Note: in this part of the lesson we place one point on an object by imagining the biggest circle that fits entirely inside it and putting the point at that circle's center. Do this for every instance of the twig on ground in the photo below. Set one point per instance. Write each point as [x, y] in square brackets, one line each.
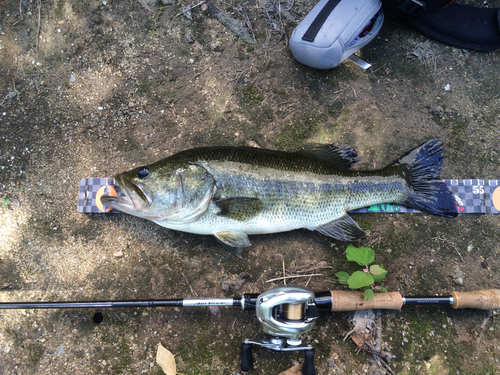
[198, 74]
[284, 271]
[308, 281]
[483, 328]
[225, 19]
[190, 287]
[145, 5]
[37, 35]
[293, 277]
[188, 9]
[448, 243]
[249, 26]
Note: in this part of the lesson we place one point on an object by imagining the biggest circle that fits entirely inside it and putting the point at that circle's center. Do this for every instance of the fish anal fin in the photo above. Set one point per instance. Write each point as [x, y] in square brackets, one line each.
[343, 229]
[239, 208]
[341, 156]
[234, 242]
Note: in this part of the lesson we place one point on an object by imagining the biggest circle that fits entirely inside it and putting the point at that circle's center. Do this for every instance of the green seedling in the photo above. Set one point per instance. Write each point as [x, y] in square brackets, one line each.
[5, 202]
[366, 278]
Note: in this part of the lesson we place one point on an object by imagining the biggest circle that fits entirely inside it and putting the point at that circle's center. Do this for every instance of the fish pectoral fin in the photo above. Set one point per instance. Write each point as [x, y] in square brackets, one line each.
[234, 242]
[341, 156]
[239, 208]
[343, 229]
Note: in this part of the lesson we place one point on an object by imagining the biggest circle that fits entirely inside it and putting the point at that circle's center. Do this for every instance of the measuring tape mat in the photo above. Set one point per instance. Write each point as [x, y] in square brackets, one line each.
[473, 196]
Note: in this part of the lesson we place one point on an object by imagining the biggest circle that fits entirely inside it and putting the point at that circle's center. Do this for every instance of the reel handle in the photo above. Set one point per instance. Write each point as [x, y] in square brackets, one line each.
[308, 368]
[246, 357]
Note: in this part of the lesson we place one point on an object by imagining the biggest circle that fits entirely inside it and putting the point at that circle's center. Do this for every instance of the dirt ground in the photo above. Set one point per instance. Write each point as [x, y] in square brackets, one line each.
[94, 88]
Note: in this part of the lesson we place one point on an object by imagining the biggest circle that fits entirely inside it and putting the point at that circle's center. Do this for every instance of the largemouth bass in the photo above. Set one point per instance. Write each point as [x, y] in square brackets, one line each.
[233, 192]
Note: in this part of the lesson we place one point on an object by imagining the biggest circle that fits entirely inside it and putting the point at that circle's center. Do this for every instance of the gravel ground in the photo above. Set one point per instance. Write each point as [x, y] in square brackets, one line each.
[94, 88]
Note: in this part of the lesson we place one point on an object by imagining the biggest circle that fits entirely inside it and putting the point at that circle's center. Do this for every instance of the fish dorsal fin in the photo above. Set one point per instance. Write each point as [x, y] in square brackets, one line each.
[340, 155]
[343, 229]
[234, 242]
[239, 208]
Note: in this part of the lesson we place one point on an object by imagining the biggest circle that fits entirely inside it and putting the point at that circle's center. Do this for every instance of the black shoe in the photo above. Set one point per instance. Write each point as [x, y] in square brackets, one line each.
[459, 25]
[462, 26]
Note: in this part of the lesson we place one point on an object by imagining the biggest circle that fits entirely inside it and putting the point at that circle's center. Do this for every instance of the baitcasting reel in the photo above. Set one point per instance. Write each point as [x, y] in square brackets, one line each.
[285, 314]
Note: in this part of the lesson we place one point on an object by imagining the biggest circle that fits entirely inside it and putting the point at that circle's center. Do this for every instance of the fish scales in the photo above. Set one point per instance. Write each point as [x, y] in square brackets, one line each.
[291, 204]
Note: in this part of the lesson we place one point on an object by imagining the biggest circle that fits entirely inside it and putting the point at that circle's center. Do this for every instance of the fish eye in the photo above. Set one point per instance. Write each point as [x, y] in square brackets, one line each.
[143, 172]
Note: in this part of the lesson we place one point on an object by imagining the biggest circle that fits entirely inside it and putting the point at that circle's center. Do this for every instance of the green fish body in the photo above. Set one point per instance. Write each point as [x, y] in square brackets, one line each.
[233, 192]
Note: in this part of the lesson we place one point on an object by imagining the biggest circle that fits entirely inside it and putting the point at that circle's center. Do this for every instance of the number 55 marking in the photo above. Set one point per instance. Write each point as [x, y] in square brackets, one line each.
[478, 189]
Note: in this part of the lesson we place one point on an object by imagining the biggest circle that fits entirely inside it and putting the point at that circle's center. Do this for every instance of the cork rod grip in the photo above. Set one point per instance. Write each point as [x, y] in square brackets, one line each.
[353, 301]
[486, 299]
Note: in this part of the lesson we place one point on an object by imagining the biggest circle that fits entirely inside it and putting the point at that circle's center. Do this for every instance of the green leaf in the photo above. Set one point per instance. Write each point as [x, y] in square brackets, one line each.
[360, 279]
[369, 294]
[342, 276]
[378, 272]
[361, 255]
[381, 290]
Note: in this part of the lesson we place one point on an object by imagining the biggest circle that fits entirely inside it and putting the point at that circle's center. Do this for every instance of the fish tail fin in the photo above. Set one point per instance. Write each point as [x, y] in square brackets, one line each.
[421, 168]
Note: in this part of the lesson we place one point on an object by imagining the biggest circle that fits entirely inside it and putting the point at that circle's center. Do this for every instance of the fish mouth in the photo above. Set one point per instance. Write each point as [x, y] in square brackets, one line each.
[136, 198]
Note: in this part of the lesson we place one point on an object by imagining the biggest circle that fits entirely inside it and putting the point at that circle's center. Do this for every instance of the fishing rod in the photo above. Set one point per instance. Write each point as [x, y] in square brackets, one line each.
[287, 312]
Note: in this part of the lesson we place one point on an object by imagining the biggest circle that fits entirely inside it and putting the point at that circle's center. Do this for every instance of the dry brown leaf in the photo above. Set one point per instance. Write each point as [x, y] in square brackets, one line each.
[166, 360]
[294, 370]
[361, 339]
[5, 285]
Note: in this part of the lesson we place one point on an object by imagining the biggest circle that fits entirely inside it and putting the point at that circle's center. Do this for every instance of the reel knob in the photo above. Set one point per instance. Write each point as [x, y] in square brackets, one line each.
[246, 357]
[308, 367]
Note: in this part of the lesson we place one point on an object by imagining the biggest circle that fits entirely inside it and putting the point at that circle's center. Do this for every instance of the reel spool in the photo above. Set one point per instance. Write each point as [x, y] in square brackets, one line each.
[285, 314]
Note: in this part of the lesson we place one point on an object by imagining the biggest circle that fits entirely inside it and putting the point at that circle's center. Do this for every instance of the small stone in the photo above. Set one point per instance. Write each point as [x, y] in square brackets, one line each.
[215, 311]
[458, 276]
[14, 202]
[118, 254]
[229, 285]
[437, 111]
